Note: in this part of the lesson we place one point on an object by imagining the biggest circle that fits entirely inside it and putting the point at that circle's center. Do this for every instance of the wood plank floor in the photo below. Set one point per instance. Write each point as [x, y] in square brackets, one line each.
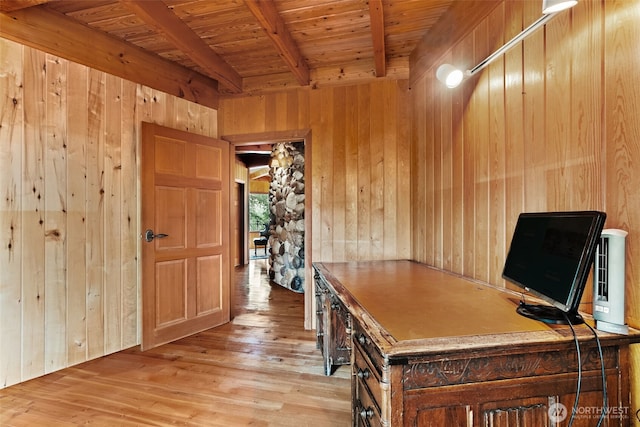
[262, 369]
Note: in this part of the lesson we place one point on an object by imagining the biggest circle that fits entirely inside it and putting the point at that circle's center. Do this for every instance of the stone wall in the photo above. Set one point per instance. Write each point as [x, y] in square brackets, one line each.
[286, 239]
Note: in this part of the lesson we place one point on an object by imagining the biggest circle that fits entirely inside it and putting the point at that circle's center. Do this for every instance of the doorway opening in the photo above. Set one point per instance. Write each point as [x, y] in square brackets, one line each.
[248, 145]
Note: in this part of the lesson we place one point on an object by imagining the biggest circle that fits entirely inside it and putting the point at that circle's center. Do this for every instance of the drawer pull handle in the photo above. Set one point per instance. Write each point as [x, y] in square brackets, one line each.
[364, 373]
[363, 339]
[367, 413]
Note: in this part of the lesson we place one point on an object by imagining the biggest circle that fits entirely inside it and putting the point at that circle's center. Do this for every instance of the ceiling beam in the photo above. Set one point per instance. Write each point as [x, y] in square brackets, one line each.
[59, 35]
[266, 13]
[376, 15]
[158, 16]
[11, 5]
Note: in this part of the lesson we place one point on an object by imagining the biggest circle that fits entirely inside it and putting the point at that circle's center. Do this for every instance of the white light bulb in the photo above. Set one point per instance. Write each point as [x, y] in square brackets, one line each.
[454, 78]
[449, 75]
[553, 6]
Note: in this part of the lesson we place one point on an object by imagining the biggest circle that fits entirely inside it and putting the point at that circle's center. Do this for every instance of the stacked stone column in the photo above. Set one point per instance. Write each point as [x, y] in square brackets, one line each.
[286, 196]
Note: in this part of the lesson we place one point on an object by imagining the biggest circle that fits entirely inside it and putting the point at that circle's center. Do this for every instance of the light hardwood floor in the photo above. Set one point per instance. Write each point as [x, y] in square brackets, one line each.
[262, 369]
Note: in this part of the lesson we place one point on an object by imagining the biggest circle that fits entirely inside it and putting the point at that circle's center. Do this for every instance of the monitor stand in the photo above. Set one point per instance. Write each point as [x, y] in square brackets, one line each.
[549, 314]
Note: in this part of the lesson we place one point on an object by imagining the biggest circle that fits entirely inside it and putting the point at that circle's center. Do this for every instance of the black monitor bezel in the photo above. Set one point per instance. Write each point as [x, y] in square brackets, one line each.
[574, 295]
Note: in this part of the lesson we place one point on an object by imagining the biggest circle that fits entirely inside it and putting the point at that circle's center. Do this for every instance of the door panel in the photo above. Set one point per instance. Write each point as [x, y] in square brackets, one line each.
[185, 195]
[170, 218]
[209, 295]
[208, 215]
[171, 287]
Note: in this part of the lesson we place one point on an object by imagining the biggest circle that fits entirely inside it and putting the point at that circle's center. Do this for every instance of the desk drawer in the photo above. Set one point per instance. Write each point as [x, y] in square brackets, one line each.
[365, 410]
[364, 373]
[368, 349]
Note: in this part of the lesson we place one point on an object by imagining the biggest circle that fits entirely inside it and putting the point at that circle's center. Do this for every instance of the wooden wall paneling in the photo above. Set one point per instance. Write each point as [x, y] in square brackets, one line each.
[437, 188]
[95, 215]
[351, 173]
[534, 142]
[457, 172]
[622, 134]
[33, 210]
[445, 131]
[71, 218]
[514, 130]
[392, 191]
[364, 174]
[144, 112]
[171, 109]
[303, 107]
[339, 203]
[496, 150]
[323, 156]
[468, 161]
[292, 111]
[77, 133]
[55, 204]
[159, 110]
[376, 132]
[11, 247]
[181, 114]
[376, 151]
[317, 167]
[112, 204]
[328, 161]
[210, 117]
[403, 171]
[129, 218]
[418, 101]
[481, 135]
[586, 144]
[430, 207]
[271, 109]
[558, 123]
[560, 129]
[282, 115]
[248, 113]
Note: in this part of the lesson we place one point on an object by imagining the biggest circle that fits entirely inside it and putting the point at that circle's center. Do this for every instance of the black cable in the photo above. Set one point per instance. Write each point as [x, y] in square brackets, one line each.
[604, 378]
[575, 339]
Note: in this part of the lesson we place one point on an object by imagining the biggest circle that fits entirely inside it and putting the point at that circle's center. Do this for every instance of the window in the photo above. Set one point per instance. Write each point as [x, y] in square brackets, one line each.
[259, 213]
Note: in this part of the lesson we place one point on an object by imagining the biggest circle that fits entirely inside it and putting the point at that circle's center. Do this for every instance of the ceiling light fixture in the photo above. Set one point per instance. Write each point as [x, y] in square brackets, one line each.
[452, 77]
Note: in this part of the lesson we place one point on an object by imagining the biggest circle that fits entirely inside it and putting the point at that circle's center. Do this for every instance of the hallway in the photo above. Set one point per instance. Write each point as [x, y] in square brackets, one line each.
[261, 369]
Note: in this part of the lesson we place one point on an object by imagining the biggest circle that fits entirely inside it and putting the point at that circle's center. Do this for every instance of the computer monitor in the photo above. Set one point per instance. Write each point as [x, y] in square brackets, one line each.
[550, 256]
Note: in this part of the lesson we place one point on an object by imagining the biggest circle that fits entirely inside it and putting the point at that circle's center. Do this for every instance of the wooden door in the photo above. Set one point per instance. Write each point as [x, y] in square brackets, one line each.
[185, 195]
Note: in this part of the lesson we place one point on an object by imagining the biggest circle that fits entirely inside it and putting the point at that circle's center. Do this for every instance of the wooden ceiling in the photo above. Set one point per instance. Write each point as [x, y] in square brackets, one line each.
[229, 47]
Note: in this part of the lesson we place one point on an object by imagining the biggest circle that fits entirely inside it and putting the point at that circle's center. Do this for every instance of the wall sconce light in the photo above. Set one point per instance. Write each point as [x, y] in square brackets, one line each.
[449, 75]
[553, 6]
[452, 77]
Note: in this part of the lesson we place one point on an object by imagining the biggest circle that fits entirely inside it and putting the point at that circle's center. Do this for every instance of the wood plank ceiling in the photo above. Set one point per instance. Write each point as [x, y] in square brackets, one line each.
[208, 48]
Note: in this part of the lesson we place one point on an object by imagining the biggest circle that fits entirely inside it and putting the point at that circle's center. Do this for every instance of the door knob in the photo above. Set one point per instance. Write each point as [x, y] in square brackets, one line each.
[149, 236]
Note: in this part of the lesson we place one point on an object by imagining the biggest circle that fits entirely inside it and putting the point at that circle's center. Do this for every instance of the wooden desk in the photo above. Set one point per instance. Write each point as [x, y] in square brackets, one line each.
[430, 348]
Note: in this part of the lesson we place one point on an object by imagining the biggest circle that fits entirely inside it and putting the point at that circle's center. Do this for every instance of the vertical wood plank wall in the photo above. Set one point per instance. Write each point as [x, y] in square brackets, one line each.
[554, 124]
[69, 284]
[360, 168]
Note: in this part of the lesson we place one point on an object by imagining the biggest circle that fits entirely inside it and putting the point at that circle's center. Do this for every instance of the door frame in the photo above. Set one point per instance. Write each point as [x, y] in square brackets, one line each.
[303, 135]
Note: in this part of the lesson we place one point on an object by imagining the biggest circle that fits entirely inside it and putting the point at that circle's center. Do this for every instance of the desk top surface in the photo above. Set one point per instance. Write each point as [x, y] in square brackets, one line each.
[412, 301]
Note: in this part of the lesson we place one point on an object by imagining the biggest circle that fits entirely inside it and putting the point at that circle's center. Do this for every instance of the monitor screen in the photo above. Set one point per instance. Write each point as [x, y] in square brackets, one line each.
[551, 254]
